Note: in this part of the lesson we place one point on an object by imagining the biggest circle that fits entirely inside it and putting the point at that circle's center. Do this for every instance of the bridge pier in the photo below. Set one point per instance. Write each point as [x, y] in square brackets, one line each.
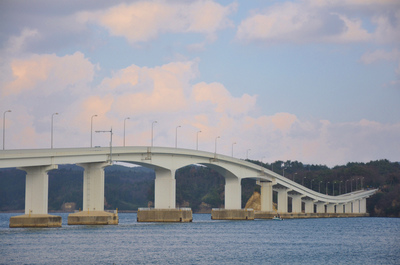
[233, 202]
[356, 206]
[282, 199]
[363, 205]
[266, 196]
[164, 201]
[330, 208]
[309, 206]
[348, 208]
[296, 202]
[93, 198]
[339, 208]
[320, 207]
[36, 200]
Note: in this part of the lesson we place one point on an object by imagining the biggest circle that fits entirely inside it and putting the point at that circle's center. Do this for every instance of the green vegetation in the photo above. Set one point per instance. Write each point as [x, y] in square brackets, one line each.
[131, 188]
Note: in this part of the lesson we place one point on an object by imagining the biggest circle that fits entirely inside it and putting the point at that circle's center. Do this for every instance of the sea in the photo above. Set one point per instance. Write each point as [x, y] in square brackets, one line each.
[367, 240]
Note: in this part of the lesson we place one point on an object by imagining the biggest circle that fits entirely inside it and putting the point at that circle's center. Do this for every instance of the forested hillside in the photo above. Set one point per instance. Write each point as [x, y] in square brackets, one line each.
[198, 187]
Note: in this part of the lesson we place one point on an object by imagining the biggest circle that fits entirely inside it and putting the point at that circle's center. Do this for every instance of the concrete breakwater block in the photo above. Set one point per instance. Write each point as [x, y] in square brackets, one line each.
[164, 215]
[93, 218]
[35, 220]
[237, 214]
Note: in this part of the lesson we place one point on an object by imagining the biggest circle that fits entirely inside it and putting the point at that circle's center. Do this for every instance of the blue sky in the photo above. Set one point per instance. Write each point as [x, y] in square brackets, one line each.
[309, 80]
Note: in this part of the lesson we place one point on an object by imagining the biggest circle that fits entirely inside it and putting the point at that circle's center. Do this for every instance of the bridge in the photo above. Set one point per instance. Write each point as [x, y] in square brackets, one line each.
[165, 161]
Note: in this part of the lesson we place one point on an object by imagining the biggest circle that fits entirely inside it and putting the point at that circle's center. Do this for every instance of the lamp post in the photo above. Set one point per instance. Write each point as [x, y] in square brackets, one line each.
[111, 133]
[176, 136]
[293, 176]
[311, 184]
[302, 183]
[232, 147]
[351, 185]
[362, 184]
[340, 187]
[319, 186]
[52, 117]
[247, 154]
[197, 140]
[91, 130]
[4, 126]
[345, 187]
[127, 118]
[152, 129]
[326, 188]
[216, 144]
[333, 188]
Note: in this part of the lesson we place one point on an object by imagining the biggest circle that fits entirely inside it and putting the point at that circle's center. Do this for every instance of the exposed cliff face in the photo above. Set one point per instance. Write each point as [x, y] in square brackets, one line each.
[255, 202]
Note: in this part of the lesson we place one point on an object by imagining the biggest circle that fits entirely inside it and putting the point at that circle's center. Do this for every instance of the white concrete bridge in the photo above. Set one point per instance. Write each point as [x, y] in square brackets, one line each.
[165, 161]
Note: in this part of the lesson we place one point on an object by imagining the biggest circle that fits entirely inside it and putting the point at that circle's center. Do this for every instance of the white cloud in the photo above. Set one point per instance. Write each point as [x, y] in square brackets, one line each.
[323, 21]
[146, 20]
[168, 94]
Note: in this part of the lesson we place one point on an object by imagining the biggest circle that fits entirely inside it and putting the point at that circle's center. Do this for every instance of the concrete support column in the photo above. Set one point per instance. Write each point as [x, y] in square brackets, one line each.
[339, 208]
[266, 196]
[93, 186]
[233, 193]
[356, 206]
[165, 189]
[330, 208]
[309, 206]
[363, 205]
[320, 207]
[37, 189]
[282, 200]
[296, 203]
[348, 208]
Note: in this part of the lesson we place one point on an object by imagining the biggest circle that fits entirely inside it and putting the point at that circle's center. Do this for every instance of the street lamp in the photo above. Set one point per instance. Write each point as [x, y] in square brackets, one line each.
[293, 176]
[311, 184]
[247, 154]
[91, 130]
[216, 144]
[333, 188]
[302, 183]
[152, 129]
[351, 185]
[127, 118]
[197, 140]
[232, 147]
[319, 186]
[340, 187]
[52, 117]
[326, 188]
[4, 126]
[111, 134]
[176, 136]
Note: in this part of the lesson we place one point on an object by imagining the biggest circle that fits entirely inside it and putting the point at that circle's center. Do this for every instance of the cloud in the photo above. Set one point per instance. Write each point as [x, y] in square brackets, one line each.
[322, 22]
[49, 73]
[145, 20]
[169, 94]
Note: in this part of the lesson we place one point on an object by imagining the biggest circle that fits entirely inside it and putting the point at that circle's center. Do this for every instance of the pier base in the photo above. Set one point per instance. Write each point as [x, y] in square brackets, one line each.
[226, 214]
[164, 215]
[35, 220]
[93, 218]
[270, 215]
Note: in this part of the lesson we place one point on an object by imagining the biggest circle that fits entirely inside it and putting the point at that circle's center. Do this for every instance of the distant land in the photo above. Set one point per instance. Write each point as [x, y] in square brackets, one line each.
[201, 188]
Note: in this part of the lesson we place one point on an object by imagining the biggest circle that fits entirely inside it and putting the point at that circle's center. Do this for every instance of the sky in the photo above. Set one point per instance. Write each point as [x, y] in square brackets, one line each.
[317, 81]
